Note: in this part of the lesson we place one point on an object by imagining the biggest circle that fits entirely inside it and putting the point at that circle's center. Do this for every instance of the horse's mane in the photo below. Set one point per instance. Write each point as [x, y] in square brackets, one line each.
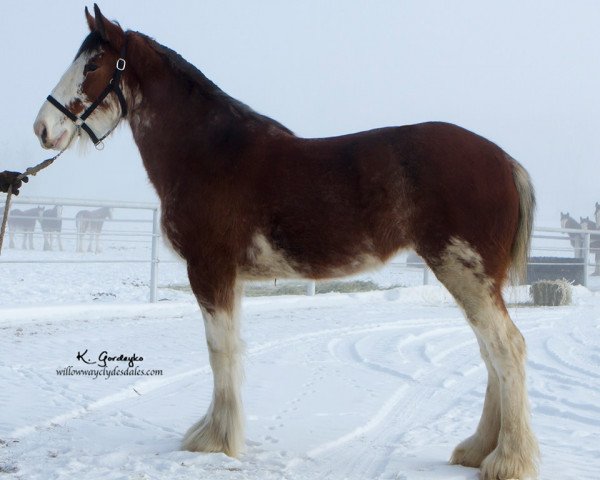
[188, 73]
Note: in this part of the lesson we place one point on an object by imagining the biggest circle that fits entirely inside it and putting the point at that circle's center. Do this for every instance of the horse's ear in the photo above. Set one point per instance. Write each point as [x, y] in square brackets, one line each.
[109, 31]
[90, 20]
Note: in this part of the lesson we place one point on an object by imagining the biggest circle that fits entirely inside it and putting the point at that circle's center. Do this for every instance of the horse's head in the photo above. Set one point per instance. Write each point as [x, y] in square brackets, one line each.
[76, 103]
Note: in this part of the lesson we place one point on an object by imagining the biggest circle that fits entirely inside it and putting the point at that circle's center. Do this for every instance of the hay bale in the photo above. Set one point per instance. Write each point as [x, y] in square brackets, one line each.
[551, 293]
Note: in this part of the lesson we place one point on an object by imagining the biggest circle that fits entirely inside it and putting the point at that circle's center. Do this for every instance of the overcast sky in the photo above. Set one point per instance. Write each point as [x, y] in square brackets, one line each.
[525, 74]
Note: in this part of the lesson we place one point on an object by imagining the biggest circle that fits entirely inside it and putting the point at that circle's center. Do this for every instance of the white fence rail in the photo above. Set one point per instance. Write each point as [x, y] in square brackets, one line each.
[138, 224]
[151, 233]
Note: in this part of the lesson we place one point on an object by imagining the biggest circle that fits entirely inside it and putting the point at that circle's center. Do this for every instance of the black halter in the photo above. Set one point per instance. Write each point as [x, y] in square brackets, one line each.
[113, 86]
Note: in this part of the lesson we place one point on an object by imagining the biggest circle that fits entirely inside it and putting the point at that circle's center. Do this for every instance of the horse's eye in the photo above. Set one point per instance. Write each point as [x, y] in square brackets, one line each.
[89, 67]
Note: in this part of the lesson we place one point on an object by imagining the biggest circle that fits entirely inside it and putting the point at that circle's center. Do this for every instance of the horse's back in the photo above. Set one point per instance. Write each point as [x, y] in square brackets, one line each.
[409, 186]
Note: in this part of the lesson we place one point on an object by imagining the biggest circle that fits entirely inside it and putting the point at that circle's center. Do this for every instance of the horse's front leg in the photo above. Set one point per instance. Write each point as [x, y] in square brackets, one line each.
[98, 249]
[90, 242]
[222, 428]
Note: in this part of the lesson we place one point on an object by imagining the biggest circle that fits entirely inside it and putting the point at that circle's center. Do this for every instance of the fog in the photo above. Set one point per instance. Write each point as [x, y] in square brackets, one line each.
[526, 75]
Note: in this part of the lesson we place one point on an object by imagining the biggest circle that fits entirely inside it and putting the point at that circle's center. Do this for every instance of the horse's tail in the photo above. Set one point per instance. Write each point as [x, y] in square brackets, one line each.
[522, 240]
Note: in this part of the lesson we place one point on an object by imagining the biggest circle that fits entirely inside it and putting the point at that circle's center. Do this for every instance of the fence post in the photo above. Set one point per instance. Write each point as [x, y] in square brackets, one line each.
[586, 254]
[425, 274]
[154, 256]
[310, 288]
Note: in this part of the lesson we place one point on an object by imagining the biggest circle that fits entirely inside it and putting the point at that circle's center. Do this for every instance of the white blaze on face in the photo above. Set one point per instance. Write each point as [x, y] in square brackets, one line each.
[53, 129]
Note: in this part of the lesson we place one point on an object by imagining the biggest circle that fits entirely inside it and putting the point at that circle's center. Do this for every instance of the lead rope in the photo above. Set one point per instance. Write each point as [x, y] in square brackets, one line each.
[30, 171]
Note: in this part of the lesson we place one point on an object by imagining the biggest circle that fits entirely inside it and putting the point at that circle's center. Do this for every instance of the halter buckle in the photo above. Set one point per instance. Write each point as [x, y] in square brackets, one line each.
[121, 63]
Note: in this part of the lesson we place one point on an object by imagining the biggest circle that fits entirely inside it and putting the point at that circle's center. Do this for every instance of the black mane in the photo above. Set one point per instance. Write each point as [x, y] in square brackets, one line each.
[195, 78]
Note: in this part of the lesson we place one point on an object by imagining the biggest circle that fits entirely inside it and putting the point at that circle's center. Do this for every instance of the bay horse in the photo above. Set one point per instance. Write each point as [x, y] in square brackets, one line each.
[91, 222]
[576, 239]
[243, 198]
[23, 221]
[51, 223]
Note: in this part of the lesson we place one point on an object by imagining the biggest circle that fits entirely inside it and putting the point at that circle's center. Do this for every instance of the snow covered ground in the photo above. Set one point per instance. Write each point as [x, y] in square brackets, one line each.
[339, 386]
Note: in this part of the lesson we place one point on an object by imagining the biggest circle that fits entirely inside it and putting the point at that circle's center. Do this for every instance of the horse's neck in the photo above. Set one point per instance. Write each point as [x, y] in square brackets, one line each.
[183, 124]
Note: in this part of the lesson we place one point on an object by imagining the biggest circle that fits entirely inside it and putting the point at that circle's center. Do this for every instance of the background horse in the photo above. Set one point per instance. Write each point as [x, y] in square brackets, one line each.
[243, 198]
[576, 239]
[51, 223]
[587, 224]
[91, 222]
[23, 221]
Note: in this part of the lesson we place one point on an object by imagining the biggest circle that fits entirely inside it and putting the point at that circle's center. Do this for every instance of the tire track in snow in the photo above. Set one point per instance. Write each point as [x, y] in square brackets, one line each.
[401, 411]
[152, 384]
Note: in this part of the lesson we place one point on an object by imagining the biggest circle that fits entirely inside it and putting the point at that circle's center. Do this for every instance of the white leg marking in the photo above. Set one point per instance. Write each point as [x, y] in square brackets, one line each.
[503, 350]
[222, 428]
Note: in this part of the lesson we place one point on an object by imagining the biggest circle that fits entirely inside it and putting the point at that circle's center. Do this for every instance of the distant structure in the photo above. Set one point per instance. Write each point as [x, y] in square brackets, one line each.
[587, 224]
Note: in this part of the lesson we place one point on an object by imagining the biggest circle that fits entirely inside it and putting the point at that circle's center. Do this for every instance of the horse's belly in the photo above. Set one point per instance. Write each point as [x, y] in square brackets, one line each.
[263, 261]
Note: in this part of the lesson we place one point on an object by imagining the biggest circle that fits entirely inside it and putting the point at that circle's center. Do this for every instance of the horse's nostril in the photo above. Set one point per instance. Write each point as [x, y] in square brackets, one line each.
[41, 131]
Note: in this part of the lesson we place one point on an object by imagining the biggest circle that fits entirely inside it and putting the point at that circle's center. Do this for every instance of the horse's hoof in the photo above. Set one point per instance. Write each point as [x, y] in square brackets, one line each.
[471, 452]
[206, 436]
[500, 466]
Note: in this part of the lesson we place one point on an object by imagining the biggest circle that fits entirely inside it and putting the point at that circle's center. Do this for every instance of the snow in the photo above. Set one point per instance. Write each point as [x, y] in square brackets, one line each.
[343, 386]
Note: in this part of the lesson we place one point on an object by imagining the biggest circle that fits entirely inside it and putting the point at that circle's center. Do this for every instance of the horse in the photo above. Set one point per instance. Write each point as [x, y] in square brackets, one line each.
[91, 222]
[587, 224]
[51, 223]
[576, 239]
[243, 198]
[23, 221]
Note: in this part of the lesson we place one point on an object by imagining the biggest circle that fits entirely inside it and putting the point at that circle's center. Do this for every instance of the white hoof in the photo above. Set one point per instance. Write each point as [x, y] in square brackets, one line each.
[210, 435]
[472, 451]
[518, 465]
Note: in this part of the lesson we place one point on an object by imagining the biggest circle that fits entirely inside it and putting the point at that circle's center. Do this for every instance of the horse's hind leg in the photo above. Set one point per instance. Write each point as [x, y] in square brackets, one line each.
[503, 444]
[474, 449]
[222, 428]
[47, 241]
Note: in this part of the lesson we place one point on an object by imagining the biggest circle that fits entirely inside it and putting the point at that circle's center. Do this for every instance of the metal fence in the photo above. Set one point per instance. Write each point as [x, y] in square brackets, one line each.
[135, 235]
[133, 229]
